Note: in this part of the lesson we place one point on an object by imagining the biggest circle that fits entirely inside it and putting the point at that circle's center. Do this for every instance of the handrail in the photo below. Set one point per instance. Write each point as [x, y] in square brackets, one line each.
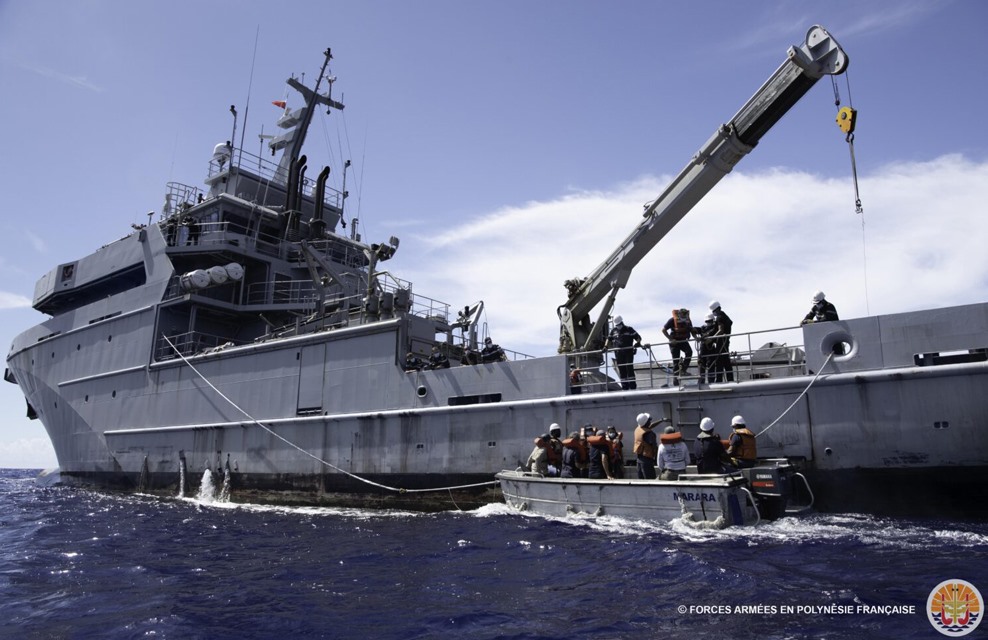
[754, 504]
[597, 369]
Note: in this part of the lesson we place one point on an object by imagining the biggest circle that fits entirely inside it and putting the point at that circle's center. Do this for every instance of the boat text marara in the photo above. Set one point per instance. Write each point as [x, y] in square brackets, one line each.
[250, 332]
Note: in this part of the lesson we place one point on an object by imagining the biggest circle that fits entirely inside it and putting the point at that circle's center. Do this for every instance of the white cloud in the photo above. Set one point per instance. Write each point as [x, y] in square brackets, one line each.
[76, 81]
[27, 453]
[13, 301]
[760, 243]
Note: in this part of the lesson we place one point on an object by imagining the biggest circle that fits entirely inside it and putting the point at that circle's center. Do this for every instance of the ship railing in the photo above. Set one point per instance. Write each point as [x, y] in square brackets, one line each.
[339, 252]
[295, 293]
[778, 355]
[268, 172]
[190, 344]
[179, 197]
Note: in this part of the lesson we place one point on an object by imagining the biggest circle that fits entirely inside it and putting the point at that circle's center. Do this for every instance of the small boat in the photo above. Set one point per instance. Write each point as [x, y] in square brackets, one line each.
[772, 489]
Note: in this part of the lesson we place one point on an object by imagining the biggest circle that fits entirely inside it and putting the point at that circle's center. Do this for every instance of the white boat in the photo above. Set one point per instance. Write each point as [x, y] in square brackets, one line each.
[772, 489]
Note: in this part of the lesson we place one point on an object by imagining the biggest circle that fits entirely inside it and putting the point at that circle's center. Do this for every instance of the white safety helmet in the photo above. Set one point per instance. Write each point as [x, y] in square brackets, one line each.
[714, 305]
[555, 429]
[818, 296]
[737, 420]
[618, 320]
[710, 317]
[643, 419]
[706, 424]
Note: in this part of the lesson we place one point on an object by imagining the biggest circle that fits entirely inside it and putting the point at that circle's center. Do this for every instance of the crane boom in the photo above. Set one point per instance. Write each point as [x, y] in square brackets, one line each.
[818, 56]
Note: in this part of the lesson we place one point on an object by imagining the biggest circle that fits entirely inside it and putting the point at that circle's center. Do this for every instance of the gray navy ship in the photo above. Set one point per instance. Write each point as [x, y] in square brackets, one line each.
[250, 335]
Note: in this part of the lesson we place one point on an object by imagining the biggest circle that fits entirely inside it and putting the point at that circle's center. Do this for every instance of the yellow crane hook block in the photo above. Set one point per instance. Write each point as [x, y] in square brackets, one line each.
[846, 118]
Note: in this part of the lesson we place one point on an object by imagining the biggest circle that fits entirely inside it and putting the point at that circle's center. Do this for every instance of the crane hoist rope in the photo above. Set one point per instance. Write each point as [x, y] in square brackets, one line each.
[846, 120]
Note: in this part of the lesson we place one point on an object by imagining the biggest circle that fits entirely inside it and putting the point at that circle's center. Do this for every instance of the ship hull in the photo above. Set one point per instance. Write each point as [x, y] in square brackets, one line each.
[894, 424]
[870, 441]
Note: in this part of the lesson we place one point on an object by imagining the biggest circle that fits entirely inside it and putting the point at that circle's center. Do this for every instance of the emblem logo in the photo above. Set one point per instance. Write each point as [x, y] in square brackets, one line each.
[955, 608]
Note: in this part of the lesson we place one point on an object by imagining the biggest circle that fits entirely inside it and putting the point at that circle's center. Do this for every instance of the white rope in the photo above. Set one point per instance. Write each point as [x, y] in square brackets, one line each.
[301, 450]
[825, 363]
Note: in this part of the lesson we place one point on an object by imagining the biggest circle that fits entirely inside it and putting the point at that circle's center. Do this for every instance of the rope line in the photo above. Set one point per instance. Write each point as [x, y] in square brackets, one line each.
[799, 397]
[311, 455]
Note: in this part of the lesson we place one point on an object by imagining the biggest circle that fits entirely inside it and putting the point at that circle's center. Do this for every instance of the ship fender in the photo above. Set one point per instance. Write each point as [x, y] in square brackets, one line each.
[831, 343]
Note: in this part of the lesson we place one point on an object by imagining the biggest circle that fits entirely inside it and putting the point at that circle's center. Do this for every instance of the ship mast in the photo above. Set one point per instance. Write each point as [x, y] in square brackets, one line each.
[297, 122]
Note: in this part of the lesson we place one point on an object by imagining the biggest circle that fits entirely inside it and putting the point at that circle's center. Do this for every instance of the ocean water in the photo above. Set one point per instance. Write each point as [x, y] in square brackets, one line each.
[79, 564]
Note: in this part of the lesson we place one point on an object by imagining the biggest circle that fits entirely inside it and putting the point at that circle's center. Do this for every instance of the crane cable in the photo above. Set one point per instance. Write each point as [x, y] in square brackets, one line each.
[846, 121]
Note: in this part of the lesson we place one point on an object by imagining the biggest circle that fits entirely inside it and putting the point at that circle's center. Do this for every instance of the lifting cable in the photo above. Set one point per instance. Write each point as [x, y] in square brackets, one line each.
[846, 121]
[313, 456]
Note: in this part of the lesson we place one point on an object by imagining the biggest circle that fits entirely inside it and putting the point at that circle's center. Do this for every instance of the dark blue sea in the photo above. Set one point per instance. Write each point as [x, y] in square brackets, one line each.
[78, 564]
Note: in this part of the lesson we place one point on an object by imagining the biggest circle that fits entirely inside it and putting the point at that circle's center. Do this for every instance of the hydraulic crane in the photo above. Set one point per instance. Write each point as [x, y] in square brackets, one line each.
[818, 56]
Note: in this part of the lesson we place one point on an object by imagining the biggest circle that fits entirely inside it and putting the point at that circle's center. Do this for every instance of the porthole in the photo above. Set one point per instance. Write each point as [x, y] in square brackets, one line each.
[109, 338]
[78, 347]
[422, 392]
[114, 394]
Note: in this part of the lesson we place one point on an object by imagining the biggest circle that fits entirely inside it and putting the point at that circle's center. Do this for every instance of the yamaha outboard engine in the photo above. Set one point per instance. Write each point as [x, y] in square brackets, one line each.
[772, 487]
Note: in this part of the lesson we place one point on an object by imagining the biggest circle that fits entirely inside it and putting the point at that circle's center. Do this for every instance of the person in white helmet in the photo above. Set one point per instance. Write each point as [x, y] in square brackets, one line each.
[709, 450]
[742, 448]
[723, 367]
[624, 340]
[678, 330]
[821, 311]
[646, 447]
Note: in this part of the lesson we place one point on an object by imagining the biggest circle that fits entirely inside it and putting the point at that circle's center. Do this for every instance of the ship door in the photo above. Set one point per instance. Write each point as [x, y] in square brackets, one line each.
[311, 367]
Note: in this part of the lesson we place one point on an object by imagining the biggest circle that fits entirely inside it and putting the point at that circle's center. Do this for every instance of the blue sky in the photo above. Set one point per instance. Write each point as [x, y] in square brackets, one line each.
[511, 145]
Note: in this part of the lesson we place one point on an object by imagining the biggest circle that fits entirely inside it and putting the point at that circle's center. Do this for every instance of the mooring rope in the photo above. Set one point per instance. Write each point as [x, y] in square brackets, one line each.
[311, 455]
[824, 366]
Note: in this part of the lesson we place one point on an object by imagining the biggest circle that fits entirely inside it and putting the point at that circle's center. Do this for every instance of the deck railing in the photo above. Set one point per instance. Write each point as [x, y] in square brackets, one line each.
[776, 356]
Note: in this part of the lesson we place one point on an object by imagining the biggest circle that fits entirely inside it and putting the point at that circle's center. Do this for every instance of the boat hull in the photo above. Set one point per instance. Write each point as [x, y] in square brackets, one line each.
[719, 501]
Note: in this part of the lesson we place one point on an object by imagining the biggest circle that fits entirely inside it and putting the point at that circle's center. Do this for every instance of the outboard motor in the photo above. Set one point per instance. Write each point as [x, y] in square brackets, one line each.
[772, 487]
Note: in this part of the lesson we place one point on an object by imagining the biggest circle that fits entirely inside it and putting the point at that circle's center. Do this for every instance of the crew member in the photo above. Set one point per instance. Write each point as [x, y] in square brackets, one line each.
[624, 340]
[742, 448]
[554, 452]
[599, 455]
[821, 311]
[723, 367]
[538, 459]
[646, 447]
[491, 352]
[709, 450]
[413, 362]
[438, 360]
[574, 456]
[678, 330]
[674, 455]
[709, 349]
[615, 438]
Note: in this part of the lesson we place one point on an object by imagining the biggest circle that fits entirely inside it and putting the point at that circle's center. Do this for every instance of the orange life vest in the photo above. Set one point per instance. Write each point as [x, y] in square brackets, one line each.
[580, 446]
[747, 449]
[642, 448]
